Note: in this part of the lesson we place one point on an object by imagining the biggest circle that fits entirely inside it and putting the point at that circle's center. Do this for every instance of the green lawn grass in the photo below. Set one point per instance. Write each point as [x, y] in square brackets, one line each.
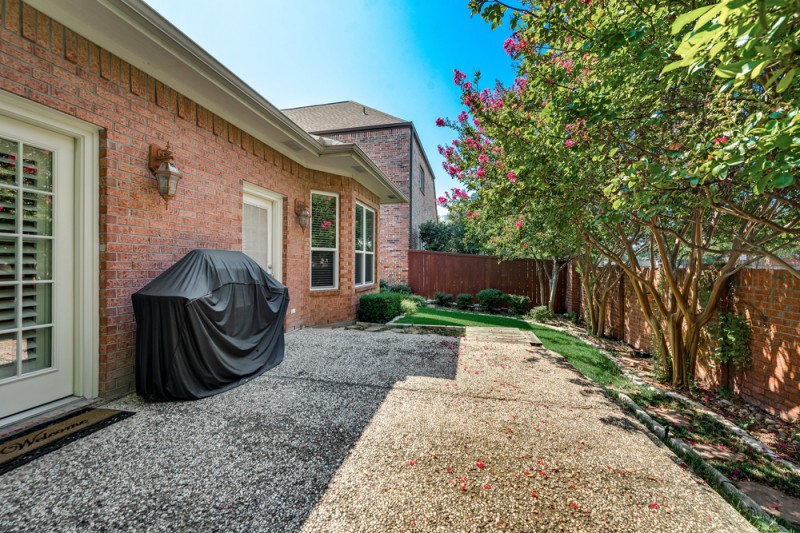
[585, 358]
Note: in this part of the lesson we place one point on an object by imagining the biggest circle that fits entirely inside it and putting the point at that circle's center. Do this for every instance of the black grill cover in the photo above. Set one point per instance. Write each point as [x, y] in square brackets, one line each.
[210, 322]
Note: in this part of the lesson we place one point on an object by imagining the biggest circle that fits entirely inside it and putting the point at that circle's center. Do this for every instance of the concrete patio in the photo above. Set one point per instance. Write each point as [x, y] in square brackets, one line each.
[360, 431]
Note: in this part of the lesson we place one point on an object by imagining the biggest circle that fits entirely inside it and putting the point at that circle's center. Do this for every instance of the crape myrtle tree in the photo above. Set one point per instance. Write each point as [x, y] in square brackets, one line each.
[678, 175]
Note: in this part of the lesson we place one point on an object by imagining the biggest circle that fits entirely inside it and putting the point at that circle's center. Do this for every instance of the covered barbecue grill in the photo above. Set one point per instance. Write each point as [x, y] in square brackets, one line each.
[207, 324]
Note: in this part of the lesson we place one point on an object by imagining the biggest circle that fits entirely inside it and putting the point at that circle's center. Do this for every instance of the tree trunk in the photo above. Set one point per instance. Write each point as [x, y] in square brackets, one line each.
[551, 303]
[540, 277]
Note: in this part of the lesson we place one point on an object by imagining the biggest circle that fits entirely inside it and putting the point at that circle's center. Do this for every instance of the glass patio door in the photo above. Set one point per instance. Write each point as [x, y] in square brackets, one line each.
[36, 272]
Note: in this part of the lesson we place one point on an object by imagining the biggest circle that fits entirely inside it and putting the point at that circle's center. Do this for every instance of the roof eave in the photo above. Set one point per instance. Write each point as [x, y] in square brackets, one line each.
[133, 31]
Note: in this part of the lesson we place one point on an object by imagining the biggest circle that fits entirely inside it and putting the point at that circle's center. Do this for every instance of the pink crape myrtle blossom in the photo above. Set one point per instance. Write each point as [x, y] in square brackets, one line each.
[569, 143]
[512, 177]
[440, 122]
[458, 76]
[462, 117]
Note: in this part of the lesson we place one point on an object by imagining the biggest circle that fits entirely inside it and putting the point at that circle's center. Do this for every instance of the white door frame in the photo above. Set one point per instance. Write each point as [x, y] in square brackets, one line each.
[86, 238]
[260, 195]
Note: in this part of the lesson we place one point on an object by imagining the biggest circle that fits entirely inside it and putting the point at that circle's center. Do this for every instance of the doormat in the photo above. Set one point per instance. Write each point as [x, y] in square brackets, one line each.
[34, 442]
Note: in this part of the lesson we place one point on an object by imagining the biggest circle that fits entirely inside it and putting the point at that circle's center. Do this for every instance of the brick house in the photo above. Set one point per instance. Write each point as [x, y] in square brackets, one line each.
[86, 87]
[395, 147]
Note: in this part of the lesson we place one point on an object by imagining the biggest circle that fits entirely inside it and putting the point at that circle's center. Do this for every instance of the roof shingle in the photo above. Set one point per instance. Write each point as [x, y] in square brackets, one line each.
[339, 116]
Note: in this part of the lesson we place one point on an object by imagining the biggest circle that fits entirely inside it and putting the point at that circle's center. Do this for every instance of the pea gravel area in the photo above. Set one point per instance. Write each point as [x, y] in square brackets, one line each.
[360, 431]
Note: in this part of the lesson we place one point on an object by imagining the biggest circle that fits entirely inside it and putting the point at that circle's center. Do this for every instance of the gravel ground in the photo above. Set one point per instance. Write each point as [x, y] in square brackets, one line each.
[364, 431]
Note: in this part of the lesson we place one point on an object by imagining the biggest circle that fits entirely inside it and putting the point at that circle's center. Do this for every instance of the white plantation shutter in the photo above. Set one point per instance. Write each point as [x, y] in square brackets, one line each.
[26, 264]
[324, 240]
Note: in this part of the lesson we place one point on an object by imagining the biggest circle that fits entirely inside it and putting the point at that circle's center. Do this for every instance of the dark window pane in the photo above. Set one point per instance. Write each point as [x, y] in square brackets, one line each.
[359, 269]
[370, 231]
[369, 268]
[323, 269]
[359, 228]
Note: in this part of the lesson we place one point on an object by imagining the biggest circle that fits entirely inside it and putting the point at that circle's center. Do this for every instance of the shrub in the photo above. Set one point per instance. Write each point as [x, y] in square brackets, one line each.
[380, 307]
[409, 307]
[442, 298]
[731, 339]
[402, 289]
[518, 304]
[384, 285]
[491, 299]
[464, 301]
[541, 314]
[417, 299]
[574, 317]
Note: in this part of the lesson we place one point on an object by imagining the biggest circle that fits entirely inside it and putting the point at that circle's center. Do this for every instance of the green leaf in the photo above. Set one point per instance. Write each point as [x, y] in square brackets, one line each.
[672, 66]
[758, 68]
[774, 78]
[686, 18]
[719, 169]
[784, 179]
[786, 81]
[783, 141]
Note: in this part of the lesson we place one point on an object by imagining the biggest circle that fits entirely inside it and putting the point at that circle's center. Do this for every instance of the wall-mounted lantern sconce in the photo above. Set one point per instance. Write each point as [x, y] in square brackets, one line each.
[303, 213]
[162, 165]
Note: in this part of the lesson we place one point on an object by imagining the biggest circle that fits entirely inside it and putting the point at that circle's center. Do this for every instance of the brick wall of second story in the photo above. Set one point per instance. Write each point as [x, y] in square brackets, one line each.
[389, 150]
[423, 190]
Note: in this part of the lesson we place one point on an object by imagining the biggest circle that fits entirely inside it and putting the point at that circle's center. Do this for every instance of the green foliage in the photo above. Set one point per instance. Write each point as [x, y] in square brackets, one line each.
[730, 338]
[491, 299]
[464, 301]
[401, 288]
[541, 313]
[408, 307]
[417, 299]
[380, 308]
[384, 285]
[443, 298]
[449, 235]
[435, 236]
[573, 317]
[518, 304]
[600, 139]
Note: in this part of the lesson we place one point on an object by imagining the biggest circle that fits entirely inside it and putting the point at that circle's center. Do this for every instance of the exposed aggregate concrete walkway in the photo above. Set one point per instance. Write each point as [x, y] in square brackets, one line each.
[359, 431]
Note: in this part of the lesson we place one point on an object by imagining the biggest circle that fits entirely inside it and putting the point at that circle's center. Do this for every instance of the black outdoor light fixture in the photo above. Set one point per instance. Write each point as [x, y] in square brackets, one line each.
[302, 212]
[167, 174]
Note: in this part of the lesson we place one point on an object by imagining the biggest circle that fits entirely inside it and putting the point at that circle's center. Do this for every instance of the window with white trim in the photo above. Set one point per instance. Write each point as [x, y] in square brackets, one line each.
[365, 245]
[324, 240]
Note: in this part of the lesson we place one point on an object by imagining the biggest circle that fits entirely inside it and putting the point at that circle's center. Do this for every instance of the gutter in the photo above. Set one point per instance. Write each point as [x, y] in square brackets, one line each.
[410, 184]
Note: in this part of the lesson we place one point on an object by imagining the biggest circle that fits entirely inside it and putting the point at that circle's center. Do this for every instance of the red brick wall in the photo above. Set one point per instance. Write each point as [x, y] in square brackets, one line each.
[423, 204]
[45, 62]
[771, 301]
[389, 149]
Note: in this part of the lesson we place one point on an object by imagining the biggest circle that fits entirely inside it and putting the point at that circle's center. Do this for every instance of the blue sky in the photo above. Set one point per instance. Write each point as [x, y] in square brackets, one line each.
[394, 55]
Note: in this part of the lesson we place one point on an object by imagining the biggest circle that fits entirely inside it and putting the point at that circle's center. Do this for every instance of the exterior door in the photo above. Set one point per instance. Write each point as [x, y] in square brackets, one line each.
[36, 266]
[262, 218]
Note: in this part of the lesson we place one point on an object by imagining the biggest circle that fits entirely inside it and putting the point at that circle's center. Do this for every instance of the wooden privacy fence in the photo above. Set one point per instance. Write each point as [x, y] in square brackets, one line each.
[429, 272]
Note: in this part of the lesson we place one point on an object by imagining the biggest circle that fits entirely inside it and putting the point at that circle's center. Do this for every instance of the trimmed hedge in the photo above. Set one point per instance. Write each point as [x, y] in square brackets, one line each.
[464, 301]
[519, 305]
[491, 299]
[442, 298]
[381, 307]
